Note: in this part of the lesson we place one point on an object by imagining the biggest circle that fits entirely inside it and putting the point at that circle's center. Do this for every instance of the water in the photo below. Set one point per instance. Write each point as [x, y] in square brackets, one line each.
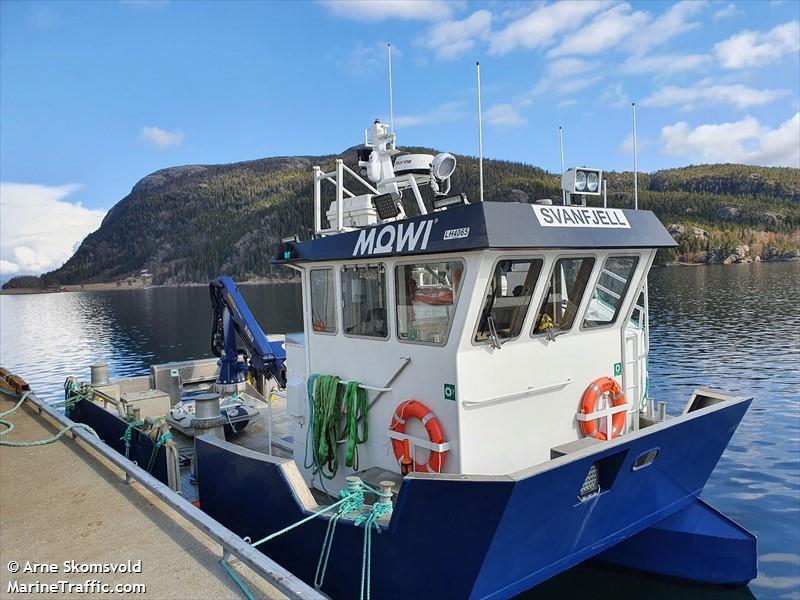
[735, 328]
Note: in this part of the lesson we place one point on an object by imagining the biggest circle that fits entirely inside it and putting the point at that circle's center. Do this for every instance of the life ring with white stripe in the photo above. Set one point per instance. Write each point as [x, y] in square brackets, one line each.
[596, 389]
[413, 409]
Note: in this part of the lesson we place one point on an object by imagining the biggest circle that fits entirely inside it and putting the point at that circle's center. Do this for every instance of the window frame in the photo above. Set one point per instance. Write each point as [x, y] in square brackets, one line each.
[456, 299]
[580, 308]
[333, 271]
[534, 293]
[355, 266]
[625, 295]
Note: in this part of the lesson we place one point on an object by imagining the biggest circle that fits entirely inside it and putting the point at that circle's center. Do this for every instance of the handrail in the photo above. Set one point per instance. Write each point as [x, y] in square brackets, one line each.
[608, 291]
[613, 275]
[272, 572]
[367, 387]
[528, 392]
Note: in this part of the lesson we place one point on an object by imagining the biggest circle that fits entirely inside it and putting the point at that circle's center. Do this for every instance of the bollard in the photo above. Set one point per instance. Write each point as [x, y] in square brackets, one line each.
[662, 411]
[386, 490]
[99, 374]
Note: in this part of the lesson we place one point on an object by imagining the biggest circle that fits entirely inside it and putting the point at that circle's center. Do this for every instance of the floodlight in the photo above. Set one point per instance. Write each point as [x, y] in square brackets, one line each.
[592, 181]
[580, 180]
[386, 206]
[448, 201]
[443, 165]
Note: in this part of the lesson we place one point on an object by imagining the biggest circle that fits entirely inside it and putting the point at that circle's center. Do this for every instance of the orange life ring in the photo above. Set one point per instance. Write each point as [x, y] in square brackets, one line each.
[412, 409]
[603, 385]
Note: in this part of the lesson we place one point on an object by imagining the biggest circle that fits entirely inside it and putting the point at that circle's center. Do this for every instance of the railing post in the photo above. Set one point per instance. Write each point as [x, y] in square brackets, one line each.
[339, 195]
[317, 202]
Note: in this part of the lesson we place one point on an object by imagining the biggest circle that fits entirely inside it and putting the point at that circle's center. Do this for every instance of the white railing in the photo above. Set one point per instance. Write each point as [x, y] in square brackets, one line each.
[336, 177]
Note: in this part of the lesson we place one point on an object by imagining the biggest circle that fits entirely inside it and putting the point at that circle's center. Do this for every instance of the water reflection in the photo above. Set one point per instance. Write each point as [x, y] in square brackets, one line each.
[734, 328]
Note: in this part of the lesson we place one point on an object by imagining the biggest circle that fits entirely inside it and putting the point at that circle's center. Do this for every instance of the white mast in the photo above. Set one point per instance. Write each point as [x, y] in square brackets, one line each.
[391, 105]
[561, 144]
[635, 164]
[480, 129]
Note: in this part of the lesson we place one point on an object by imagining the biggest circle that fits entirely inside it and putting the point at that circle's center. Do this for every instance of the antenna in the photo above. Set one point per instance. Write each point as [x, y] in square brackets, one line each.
[391, 105]
[561, 143]
[605, 194]
[635, 164]
[480, 129]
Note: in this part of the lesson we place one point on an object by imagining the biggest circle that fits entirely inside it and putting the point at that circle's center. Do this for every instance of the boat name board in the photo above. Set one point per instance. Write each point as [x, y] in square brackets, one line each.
[394, 238]
[580, 216]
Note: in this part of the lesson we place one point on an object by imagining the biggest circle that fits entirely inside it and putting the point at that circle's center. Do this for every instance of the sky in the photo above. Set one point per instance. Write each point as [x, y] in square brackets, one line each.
[96, 95]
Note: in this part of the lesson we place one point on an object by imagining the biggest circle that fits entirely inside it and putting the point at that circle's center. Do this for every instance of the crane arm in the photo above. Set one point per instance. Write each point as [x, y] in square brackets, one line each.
[233, 322]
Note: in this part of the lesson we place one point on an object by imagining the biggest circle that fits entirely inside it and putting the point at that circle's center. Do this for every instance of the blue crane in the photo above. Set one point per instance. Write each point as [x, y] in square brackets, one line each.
[233, 323]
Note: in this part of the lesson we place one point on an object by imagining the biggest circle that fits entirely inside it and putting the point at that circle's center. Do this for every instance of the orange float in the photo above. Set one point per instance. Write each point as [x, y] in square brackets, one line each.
[596, 389]
[412, 409]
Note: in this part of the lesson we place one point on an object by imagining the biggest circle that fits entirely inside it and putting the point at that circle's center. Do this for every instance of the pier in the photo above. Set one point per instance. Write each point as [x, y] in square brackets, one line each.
[66, 502]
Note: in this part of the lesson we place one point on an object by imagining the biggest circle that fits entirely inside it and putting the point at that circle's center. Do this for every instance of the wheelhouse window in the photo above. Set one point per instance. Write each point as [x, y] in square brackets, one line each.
[610, 291]
[427, 293]
[364, 301]
[562, 298]
[323, 301]
[507, 299]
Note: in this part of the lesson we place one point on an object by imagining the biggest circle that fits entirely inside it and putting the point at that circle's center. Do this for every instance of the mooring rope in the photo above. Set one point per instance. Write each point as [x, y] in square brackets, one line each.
[29, 444]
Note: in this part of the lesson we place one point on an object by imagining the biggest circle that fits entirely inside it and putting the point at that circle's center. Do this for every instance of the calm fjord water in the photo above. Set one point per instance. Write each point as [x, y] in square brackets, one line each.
[735, 328]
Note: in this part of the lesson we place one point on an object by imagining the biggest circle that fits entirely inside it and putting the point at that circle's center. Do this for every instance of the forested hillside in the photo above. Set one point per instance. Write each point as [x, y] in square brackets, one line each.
[192, 223]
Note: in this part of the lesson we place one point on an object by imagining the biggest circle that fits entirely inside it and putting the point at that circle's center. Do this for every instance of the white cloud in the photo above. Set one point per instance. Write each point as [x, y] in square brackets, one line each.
[39, 229]
[381, 10]
[664, 64]
[737, 95]
[8, 267]
[615, 96]
[744, 141]
[504, 114]
[729, 11]
[755, 49]
[161, 138]
[567, 103]
[605, 31]
[369, 60]
[539, 28]
[445, 113]
[627, 144]
[563, 76]
[637, 32]
[673, 22]
[451, 39]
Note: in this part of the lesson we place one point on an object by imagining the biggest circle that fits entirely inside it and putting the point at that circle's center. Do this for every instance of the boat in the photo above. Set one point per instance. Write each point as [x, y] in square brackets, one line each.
[468, 411]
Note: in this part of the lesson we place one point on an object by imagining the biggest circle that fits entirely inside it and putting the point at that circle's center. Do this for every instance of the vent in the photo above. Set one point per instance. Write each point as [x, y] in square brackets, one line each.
[601, 475]
[591, 485]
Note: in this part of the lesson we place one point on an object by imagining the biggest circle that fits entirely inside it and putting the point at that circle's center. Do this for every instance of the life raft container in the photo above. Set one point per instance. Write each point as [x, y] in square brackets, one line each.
[596, 389]
[413, 409]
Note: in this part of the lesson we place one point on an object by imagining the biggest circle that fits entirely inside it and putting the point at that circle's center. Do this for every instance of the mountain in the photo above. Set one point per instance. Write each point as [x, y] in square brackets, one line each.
[192, 223]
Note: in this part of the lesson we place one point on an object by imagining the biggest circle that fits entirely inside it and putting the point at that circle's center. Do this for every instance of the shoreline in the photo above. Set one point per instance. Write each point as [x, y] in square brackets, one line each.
[117, 286]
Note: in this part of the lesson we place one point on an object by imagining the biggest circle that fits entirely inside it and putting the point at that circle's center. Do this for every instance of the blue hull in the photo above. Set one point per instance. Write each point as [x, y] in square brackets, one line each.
[697, 543]
[472, 536]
